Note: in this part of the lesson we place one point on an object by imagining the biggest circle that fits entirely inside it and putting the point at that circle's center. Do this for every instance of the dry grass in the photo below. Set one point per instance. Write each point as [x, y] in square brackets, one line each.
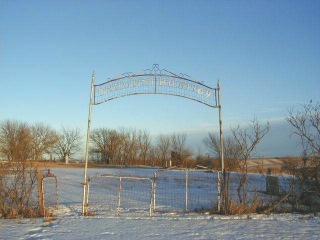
[242, 208]
[88, 213]
[262, 165]
[50, 164]
[48, 216]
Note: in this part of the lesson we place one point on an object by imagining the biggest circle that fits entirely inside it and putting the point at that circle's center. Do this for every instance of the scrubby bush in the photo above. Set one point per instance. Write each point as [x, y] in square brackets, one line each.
[305, 184]
[18, 190]
[18, 176]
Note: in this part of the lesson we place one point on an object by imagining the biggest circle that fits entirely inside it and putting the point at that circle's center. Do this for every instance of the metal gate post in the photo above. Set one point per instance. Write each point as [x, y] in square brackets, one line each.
[88, 192]
[187, 186]
[219, 193]
[119, 196]
[84, 197]
[224, 189]
[154, 191]
[151, 198]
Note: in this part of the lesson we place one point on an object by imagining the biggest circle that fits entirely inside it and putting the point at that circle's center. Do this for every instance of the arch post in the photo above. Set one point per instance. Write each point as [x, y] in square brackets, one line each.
[223, 190]
[220, 128]
[85, 180]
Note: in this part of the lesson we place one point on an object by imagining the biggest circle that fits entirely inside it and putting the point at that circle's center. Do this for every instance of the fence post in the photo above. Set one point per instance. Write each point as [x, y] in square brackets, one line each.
[154, 191]
[119, 196]
[56, 185]
[87, 193]
[219, 193]
[40, 190]
[187, 183]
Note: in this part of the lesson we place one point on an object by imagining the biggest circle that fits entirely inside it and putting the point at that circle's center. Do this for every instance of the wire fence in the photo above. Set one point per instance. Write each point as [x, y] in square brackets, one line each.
[177, 191]
[115, 195]
[167, 191]
[186, 190]
[49, 192]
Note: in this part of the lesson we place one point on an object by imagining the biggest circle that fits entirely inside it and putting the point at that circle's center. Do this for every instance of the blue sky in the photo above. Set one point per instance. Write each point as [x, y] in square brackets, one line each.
[265, 53]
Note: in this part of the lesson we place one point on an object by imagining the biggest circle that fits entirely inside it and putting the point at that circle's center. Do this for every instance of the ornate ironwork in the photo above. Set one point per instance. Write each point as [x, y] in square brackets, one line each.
[155, 81]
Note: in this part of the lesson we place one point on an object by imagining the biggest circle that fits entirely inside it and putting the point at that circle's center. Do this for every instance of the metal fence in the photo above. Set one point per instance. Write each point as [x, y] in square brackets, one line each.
[168, 191]
[49, 193]
[115, 195]
[186, 190]
[174, 191]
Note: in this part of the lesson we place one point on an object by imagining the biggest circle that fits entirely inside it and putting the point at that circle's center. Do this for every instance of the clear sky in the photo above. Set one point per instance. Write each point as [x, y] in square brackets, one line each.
[265, 53]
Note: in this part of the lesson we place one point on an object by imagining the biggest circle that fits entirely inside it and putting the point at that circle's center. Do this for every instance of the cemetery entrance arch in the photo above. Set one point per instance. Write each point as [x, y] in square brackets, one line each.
[152, 81]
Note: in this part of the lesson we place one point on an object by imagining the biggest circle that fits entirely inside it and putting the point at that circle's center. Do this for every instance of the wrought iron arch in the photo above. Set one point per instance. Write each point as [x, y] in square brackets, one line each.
[155, 81]
[151, 81]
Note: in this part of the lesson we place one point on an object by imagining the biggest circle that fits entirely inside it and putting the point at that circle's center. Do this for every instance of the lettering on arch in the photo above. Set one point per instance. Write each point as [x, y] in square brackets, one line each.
[155, 81]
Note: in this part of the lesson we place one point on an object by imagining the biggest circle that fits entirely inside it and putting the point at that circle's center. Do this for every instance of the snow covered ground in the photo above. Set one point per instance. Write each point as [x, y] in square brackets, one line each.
[70, 224]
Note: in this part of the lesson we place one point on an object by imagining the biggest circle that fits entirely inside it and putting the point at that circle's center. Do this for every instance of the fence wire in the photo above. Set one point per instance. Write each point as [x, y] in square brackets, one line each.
[185, 190]
[113, 195]
[170, 191]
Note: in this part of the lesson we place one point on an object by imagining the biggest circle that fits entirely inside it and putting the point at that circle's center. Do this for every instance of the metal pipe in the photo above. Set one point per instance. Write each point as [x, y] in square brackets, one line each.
[87, 146]
[187, 181]
[224, 189]
[219, 193]
[119, 196]
[220, 128]
[151, 198]
[154, 191]
[88, 192]
[42, 203]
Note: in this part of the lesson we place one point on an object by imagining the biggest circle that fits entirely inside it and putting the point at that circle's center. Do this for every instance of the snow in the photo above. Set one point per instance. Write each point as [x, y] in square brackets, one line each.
[70, 224]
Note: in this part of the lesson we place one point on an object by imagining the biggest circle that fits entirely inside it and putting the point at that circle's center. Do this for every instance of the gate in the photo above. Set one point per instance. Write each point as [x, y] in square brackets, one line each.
[49, 193]
[186, 190]
[118, 195]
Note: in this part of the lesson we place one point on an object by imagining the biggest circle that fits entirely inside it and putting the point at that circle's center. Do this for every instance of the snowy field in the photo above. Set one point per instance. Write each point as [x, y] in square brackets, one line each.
[70, 224]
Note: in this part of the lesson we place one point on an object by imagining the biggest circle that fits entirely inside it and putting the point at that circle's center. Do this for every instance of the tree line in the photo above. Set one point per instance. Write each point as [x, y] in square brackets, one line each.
[20, 141]
[129, 146]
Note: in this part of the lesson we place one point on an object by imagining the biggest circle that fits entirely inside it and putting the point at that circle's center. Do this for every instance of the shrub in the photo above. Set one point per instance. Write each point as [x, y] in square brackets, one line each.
[305, 184]
[18, 190]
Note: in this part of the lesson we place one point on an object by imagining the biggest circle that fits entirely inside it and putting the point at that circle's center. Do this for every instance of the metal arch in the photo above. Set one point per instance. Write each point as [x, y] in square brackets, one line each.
[155, 81]
[200, 93]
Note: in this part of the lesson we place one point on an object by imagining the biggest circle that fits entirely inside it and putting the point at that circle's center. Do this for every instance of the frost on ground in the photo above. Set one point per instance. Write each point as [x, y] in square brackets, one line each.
[69, 224]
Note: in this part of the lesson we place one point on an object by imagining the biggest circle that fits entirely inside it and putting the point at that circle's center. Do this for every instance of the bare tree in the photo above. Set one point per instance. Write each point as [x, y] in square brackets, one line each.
[163, 146]
[43, 139]
[15, 139]
[129, 145]
[212, 144]
[100, 139]
[306, 125]
[68, 144]
[305, 173]
[247, 140]
[107, 143]
[154, 155]
[179, 152]
[232, 150]
[18, 176]
[144, 145]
